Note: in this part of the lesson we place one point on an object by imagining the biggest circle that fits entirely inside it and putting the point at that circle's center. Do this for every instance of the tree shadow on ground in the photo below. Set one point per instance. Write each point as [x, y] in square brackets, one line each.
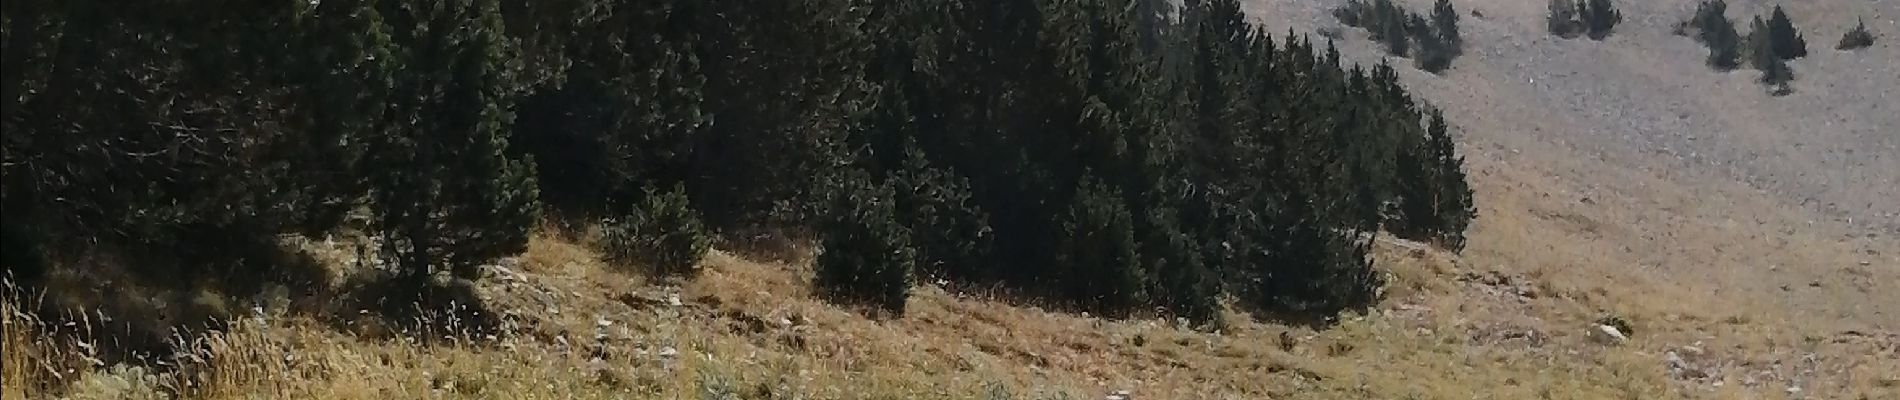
[135, 301]
[431, 309]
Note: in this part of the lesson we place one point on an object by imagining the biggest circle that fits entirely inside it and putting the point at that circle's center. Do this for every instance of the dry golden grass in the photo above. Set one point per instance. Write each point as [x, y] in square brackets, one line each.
[16, 351]
[574, 327]
[1507, 320]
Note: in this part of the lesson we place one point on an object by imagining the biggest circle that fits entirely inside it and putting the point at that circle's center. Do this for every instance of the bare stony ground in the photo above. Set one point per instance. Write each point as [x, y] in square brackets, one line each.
[1628, 164]
[1643, 99]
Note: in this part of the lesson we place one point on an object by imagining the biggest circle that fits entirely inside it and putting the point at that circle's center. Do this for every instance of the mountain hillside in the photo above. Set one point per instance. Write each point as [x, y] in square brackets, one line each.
[1627, 160]
[1741, 245]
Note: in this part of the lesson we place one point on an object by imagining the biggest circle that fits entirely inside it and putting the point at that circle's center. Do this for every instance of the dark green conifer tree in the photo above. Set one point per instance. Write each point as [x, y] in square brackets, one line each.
[1775, 72]
[1561, 19]
[865, 255]
[1716, 32]
[1857, 38]
[1445, 23]
[1599, 17]
[1097, 259]
[448, 195]
[1788, 43]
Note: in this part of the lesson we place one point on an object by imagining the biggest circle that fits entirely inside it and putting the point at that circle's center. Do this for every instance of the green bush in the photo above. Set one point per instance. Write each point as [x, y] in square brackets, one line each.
[663, 232]
[865, 255]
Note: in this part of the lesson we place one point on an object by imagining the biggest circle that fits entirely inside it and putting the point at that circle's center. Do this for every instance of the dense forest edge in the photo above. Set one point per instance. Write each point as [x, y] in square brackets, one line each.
[1120, 157]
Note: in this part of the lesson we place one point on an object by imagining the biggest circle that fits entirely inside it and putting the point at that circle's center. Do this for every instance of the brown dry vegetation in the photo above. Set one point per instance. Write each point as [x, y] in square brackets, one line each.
[1705, 240]
[573, 327]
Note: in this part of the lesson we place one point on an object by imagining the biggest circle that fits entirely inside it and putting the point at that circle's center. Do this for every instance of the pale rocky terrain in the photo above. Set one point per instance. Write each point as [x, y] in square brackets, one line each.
[1628, 164]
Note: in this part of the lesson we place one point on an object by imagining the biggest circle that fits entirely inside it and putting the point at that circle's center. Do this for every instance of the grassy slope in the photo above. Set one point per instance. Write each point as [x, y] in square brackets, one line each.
[1449, 329]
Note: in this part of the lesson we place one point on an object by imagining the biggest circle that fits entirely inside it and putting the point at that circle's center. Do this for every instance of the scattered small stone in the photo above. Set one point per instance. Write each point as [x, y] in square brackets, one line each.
[669, 352]
[1119, 395]
[1691, 350]
[1609, 335]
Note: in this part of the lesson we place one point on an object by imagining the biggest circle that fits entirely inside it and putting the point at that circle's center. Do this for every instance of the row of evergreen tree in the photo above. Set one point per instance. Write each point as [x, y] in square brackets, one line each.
[1432, 44]
[1117, 155]
[1767, 47]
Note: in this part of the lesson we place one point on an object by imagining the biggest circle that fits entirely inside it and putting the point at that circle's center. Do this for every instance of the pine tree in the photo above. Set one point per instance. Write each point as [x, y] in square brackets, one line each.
[1097, 258]
[763, 164]
[865, 256]
[1775, 72]
[952, 235]
[1709, 15]
[1561, 19]
[1599, 17]
[629, 115]
[1434, 54]
[1725, 47]
[1396, 39]
[1455, 207]
[448, 195]
[1445, 23]
[663, 232]
[1857, 38]
[1758, 45]
[1352, 13]
[1788, 43]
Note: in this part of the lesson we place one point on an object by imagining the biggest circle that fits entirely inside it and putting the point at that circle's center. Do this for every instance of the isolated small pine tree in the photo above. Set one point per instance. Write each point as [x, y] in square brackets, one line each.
[1600, 17]
[663, 232]
[1710, 15]
[1857, 38]
[1787, 41]
[1723, 42]
[1562, 19]
[449, 197]
[1456, 207]
[1445, 22]
[1757, 46]
[865, 256]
